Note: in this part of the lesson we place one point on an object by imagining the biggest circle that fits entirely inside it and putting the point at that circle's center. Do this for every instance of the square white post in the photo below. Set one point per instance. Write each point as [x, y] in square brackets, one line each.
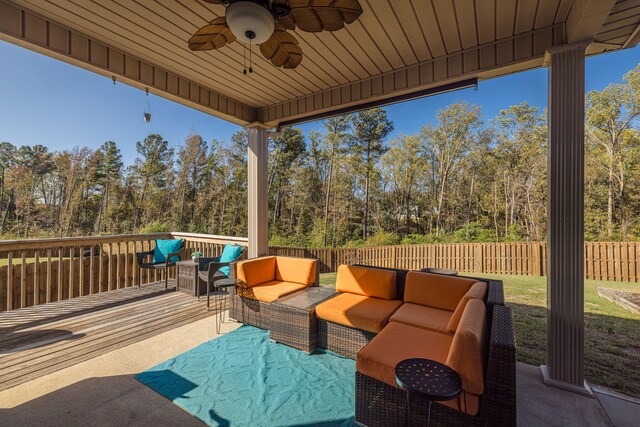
[258, 208]
[565, 228]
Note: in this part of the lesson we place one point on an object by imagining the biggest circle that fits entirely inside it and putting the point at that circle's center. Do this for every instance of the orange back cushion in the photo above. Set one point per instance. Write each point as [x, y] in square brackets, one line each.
[371, 282]
[296, 270]
[434, 290]
[467, 352]
[477, 291]
[257, 270]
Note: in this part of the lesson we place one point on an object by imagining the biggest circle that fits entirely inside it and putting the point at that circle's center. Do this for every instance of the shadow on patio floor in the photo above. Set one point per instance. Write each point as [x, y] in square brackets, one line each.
[612, 346]
[106, 401]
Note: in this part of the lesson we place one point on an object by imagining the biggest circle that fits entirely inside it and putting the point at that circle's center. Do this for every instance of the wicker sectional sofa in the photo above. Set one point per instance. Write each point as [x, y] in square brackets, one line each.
[263, 280]
[381, 316]
[427, 324]
[381, 404]
[367, 299]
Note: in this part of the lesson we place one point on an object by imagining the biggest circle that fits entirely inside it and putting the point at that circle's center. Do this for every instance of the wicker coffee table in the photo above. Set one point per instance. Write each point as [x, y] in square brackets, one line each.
[293, 318]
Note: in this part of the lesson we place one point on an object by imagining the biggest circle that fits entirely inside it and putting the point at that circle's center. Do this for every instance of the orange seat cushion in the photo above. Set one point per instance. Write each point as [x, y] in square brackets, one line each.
[297, 270]
[422, 316]
[370, 282]
[358, 311]
[477, 291]
[270, 291]
[468, 348]
[257, 270]
[437, 291]
[397, 342]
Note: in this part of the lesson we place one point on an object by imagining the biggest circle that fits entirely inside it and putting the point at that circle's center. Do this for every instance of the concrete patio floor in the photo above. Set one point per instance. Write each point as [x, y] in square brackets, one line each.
[103, 392]
[539, 405]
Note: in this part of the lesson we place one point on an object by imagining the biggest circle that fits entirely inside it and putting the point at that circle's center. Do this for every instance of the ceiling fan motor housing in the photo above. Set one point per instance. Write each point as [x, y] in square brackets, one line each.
[250, 21]
[265, 23]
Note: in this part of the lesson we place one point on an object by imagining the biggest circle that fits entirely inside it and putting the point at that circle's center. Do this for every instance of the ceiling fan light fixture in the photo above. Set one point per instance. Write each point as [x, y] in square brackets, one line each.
[250, 22]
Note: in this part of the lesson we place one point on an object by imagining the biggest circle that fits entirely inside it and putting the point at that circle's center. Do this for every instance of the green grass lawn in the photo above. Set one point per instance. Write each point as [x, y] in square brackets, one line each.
[612, 334]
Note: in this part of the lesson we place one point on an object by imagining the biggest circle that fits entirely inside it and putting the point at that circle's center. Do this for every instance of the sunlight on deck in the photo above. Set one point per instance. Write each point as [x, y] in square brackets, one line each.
[40, 340]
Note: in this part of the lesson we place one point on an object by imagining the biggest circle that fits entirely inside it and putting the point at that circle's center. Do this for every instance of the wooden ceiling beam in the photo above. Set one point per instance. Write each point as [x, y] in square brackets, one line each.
[586, 18]
[511, 54]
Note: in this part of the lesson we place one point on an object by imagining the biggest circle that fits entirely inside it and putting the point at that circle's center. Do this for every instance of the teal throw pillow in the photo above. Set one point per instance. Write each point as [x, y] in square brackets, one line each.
[229, 253]
[164, 248]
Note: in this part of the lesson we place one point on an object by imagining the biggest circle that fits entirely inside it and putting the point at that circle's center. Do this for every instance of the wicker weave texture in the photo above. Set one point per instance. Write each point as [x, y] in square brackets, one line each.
[379, 404]
[341, 339]
[297, 328]
[499, 401]
[249, 311]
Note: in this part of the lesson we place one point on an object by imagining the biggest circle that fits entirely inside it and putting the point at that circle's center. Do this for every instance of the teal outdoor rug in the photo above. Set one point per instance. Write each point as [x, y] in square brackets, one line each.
[243, 379]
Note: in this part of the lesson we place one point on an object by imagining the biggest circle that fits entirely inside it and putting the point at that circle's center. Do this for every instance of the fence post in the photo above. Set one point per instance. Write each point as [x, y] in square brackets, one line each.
[535, 268]
[478, 262]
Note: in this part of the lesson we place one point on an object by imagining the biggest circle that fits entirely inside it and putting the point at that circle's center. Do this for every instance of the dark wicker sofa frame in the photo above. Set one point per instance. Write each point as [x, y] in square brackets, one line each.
[248, 310]
[348, 341]
[379, 404]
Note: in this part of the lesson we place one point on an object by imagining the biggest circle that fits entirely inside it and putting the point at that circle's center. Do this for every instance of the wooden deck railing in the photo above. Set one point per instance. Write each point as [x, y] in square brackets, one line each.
[38, 271]
[43, 270]
[615, 261]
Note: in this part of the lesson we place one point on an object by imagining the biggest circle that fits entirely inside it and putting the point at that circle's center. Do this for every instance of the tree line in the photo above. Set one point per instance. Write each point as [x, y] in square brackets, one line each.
[461, 178]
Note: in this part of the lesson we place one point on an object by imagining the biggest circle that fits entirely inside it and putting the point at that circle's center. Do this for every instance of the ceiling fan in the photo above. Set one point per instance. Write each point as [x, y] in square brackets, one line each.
[265, 23]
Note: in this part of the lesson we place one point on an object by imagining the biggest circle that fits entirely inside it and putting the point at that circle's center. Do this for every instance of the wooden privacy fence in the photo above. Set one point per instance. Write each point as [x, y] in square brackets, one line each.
[615, 261]
[38, 271]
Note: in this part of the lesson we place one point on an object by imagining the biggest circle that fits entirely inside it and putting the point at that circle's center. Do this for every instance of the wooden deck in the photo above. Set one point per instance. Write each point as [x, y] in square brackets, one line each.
[38, 340]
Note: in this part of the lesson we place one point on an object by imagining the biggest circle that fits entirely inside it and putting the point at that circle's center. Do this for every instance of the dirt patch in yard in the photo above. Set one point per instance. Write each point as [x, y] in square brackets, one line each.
[625, 299]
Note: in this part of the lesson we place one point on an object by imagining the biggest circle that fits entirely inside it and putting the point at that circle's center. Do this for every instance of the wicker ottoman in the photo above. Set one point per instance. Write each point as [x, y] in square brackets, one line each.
[293, 318]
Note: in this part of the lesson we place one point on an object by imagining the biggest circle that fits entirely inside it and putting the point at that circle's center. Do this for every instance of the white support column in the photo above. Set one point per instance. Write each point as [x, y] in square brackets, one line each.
[257, 191]
[565, 227]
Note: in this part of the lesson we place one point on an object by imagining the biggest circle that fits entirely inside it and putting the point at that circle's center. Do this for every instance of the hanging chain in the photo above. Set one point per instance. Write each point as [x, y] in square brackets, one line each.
[148, 104]
[244, 57]
[250, 55]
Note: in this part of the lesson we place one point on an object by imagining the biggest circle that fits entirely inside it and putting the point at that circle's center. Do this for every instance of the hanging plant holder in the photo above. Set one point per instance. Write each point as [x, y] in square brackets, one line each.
[147, 112]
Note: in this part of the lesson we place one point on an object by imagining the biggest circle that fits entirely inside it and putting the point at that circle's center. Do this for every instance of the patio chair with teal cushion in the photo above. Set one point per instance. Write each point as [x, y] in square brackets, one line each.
[211, 270]
[164, 255]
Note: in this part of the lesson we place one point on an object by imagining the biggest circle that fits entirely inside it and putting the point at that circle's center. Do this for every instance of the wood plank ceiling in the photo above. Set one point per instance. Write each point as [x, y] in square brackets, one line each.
[471, 37]
[390, 34]
[620, 28]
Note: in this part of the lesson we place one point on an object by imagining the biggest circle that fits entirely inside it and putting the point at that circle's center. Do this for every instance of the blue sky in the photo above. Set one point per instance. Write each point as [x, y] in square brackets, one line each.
[45, 101]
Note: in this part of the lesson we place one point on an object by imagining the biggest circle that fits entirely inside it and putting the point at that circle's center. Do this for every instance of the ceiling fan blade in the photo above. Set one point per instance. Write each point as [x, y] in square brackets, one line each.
[319, 15]
[217, 1]
[214, 35]
[282, 49]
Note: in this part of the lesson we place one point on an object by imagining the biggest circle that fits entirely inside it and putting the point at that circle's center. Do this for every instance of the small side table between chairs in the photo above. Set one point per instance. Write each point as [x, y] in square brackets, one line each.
[187, 278]
[221, 287]
[430, 379]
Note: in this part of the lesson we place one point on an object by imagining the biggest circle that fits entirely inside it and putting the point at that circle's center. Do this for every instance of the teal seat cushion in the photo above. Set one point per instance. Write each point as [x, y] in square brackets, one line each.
[164, 248]
[229, 253]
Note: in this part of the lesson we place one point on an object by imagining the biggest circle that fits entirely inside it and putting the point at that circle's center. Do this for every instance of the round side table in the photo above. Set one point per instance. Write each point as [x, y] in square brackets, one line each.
[433, 380]
[221, 297]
